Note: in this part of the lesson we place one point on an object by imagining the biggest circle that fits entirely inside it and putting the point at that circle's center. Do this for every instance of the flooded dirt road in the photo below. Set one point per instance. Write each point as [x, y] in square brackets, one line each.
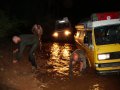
[53, 62]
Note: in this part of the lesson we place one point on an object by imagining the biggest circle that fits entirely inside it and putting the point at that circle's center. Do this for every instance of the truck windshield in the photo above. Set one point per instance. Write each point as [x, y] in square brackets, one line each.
[107, 34]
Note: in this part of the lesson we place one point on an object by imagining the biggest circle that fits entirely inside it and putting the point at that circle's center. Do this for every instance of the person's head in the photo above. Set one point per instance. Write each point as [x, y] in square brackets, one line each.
[39, 26]
[35, 26]
[16, 39]
[75, 56]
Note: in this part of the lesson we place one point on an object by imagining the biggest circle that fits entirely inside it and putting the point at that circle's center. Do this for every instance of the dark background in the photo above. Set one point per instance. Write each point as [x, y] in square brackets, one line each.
[18, 16]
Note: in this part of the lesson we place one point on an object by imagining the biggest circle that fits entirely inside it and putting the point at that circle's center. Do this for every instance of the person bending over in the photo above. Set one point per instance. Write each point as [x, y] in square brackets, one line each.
[22, 41]
[77, 56]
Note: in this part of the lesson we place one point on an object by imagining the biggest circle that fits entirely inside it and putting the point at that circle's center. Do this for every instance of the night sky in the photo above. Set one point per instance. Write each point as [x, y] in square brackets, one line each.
[46, 12]
[75, 10]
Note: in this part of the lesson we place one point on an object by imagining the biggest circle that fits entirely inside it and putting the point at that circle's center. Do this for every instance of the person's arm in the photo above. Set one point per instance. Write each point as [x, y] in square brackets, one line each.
[14, 55]
[41, 29]
[34, 28]
[18, 52]
[40, 32]
[81, 66]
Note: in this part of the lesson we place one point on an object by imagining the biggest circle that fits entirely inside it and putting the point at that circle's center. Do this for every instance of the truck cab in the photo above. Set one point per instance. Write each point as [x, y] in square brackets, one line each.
[101, 41]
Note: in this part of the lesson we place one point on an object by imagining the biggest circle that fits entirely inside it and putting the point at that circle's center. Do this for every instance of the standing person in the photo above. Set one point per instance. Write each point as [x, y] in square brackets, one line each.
[77, 56]
[22, 41]
[38, 31]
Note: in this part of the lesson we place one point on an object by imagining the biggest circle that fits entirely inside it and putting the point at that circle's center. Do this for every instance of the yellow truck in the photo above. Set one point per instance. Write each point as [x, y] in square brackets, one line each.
[100, 38]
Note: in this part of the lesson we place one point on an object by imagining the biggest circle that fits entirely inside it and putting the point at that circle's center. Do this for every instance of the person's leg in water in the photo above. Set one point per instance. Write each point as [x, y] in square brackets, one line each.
[81, 66]
[32, 56]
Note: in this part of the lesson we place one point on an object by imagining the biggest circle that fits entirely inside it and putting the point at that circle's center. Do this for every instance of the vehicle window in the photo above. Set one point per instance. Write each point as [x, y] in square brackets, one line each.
[107, 34]
[62, 24]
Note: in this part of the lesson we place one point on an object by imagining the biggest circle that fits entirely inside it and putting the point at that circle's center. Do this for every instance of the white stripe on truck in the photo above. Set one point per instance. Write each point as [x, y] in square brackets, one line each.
[105, 22]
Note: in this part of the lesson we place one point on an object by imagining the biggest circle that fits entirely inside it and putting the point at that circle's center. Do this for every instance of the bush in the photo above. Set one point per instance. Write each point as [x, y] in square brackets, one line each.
[9, 26]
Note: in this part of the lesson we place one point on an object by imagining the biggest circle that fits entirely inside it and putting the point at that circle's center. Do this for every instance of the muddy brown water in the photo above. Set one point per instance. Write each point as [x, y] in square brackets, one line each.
[59, 59]
[57, 69]
[53, 62]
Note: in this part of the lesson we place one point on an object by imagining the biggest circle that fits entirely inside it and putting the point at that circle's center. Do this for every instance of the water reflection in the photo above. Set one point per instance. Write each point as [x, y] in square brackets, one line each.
[96, 87]
[59, 58]
[55, 49]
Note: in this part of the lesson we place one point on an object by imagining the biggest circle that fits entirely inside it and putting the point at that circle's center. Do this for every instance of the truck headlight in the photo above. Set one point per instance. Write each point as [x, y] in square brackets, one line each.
[55, 34]
[103, 56]
[67, 32]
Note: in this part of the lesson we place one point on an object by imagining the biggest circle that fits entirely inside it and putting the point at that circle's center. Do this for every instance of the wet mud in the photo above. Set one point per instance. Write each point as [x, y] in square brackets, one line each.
[52, 73]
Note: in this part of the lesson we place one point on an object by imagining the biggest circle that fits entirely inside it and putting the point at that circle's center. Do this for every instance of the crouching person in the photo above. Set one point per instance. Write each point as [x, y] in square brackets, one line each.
[22, 41]
[80, 57]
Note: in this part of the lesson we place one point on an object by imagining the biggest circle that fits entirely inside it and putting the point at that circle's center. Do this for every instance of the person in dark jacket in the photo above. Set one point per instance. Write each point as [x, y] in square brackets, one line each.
[22, 41]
